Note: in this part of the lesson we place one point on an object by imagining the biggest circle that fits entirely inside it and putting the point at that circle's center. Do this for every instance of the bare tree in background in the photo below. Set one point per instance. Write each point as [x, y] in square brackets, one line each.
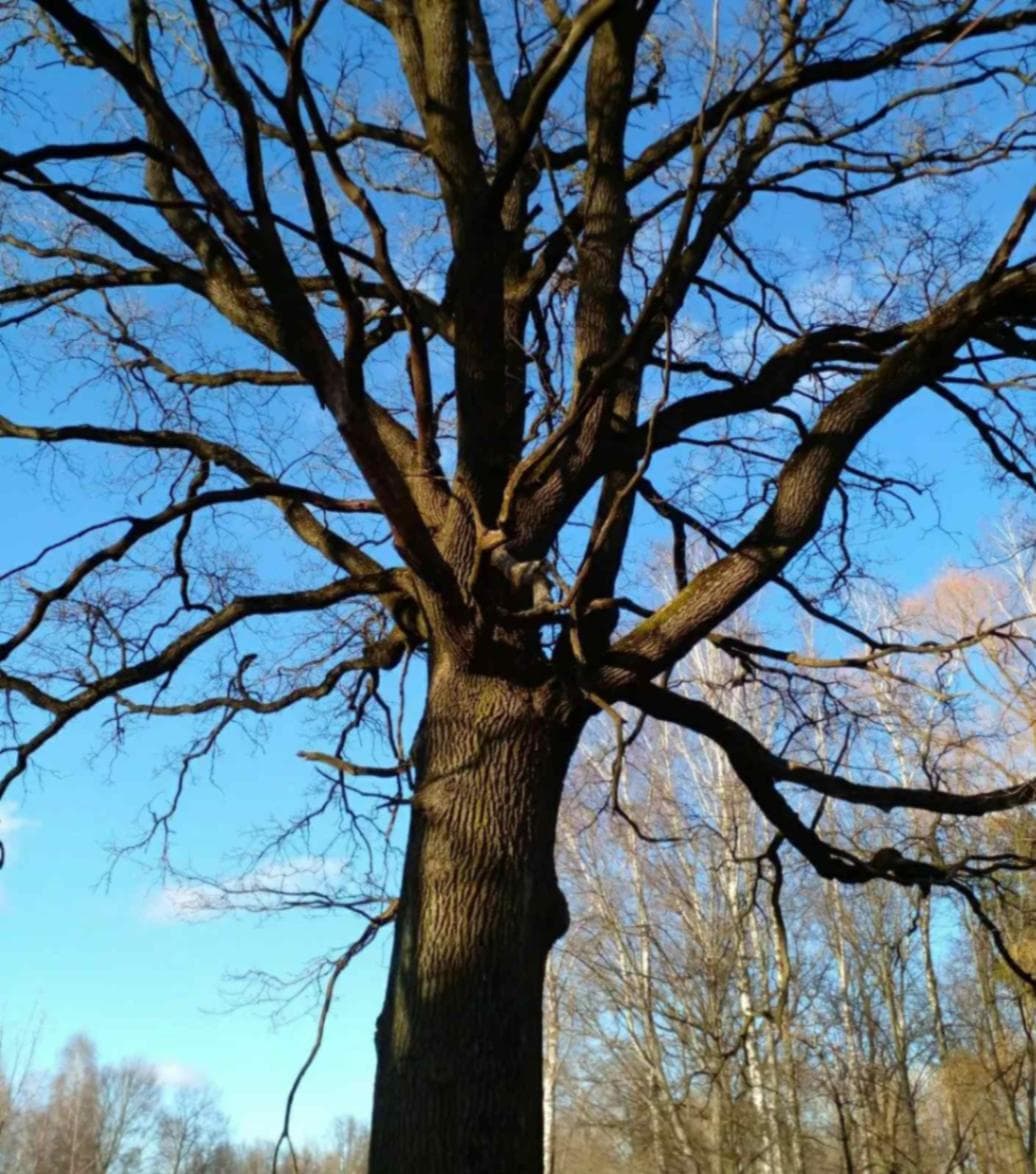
[17, 1050]
[723, 1008]
[190, 1132]
[548, 272]
[94, 1118]
[87, 1118]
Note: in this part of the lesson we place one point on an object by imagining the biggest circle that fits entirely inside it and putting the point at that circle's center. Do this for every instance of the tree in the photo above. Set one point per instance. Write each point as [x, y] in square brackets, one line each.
[91, 1120]
[16, 1055]
[351, 1145]
[191, 1133]
[73, 1121]
[566, 248]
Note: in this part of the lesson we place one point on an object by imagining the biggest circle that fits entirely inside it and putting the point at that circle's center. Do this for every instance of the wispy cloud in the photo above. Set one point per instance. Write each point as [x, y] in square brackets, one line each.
[10, 824]
[173, 1074]
[11, 821]
[298, 880]
[177, 903]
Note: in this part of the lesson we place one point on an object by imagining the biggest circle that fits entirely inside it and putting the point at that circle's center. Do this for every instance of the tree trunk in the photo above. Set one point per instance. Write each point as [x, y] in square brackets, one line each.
[459, 1041]
[551, 1062]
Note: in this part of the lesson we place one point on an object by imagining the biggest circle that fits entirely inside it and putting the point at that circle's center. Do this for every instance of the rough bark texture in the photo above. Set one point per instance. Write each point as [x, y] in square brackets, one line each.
[460, 1038]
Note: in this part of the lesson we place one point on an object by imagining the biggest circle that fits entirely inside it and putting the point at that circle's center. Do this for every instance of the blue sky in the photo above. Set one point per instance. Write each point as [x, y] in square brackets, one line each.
[115, 960]
[112, 959]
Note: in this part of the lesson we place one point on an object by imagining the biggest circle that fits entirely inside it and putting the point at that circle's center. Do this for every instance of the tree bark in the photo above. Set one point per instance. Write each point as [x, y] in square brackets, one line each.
[459, 1041]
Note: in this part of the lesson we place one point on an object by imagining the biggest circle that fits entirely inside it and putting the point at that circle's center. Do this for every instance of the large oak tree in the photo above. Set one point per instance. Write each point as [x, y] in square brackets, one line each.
[546, 271]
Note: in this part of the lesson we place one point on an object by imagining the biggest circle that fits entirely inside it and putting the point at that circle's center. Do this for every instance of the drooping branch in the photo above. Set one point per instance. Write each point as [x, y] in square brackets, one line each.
[760, 770]
[169, 659]
[292, 502]
[749, 754]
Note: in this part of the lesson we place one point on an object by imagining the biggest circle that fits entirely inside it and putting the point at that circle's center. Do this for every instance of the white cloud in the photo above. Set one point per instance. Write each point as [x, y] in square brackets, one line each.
[177, 903]
[265, 889]
[11, 821]
[172, 1074]
[295, 872]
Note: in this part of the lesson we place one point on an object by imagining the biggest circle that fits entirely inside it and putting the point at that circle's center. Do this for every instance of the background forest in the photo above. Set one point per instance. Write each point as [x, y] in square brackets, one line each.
[88, 1117]
[717, 1007]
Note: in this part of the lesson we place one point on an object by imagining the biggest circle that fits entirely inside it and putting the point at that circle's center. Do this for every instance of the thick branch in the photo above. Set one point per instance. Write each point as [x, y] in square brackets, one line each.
[809, 478]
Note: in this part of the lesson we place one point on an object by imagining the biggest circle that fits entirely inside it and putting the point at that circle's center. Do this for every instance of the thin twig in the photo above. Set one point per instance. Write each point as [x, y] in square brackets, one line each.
[362, 942]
